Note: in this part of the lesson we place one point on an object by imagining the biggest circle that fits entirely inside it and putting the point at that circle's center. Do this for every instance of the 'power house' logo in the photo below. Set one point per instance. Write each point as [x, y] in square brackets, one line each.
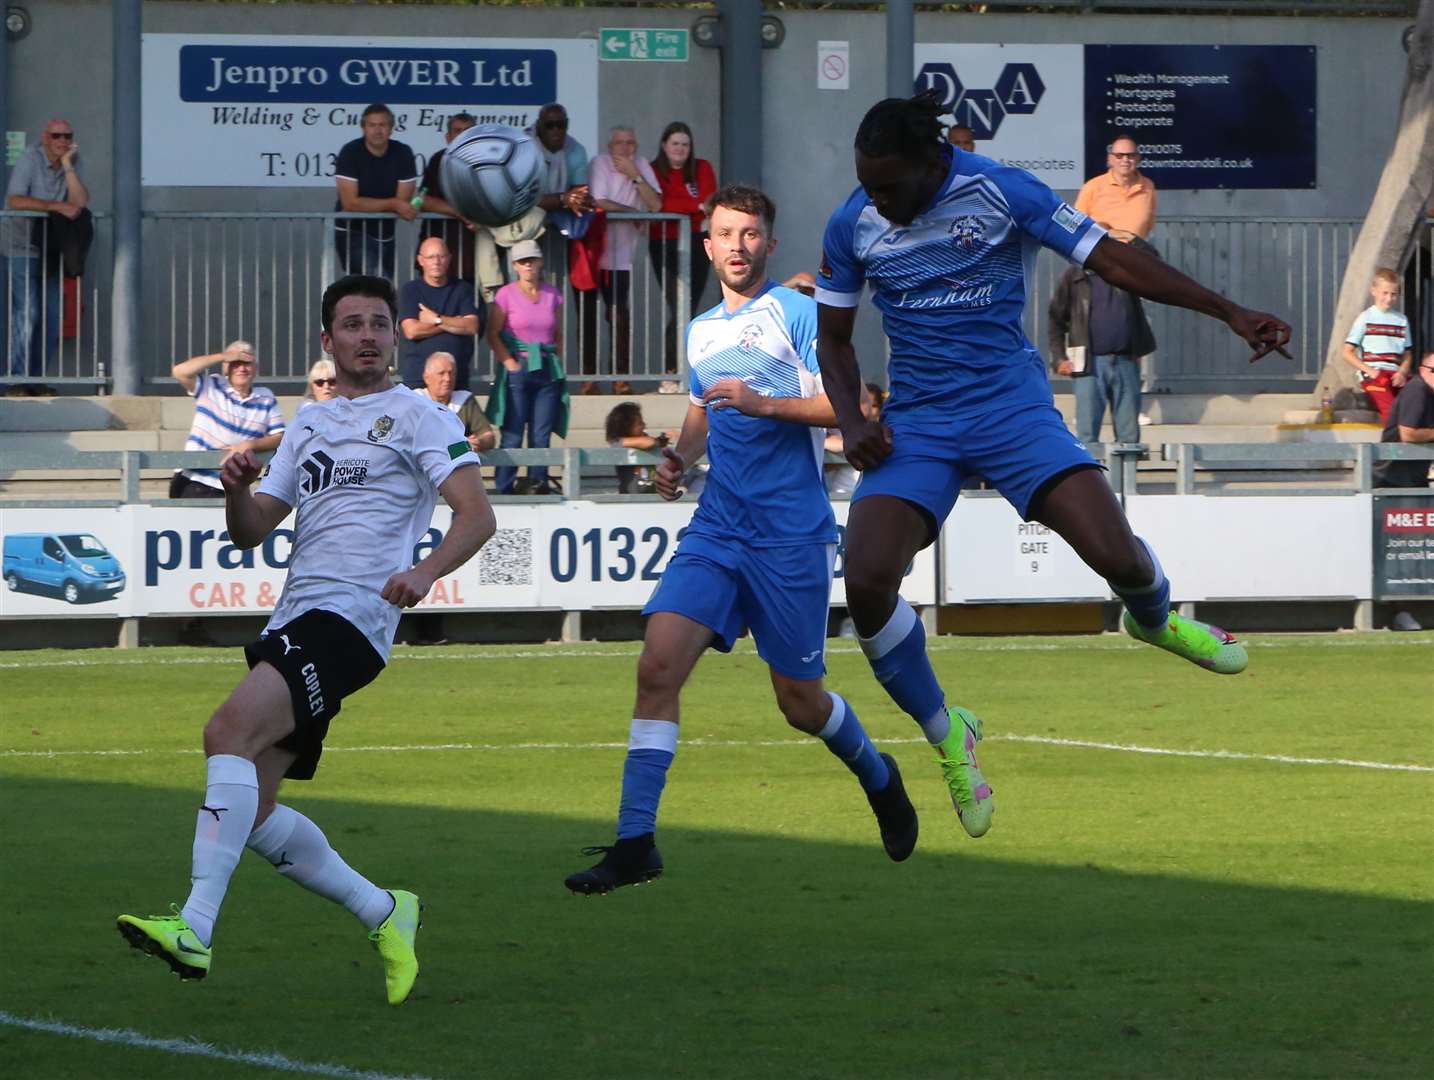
[1017, 92]
[321, 471]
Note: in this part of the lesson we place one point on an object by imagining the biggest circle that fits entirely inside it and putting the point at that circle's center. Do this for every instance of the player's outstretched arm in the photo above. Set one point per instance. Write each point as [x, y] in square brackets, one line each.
[1133, 270]
[250, 517]
[472, 526]
[867, 443]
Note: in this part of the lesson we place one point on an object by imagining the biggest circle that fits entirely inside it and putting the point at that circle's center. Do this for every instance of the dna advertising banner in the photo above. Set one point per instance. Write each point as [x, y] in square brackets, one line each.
[1025, 103]
[273, 110]
[1206, 116]
[178, 560]
[1203, 116]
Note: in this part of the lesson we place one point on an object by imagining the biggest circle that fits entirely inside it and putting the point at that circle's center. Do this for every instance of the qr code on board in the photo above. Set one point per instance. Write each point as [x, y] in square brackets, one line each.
[507, 559]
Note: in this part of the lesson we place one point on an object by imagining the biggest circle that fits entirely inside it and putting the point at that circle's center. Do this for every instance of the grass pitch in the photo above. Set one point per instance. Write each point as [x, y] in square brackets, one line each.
[1129, 915]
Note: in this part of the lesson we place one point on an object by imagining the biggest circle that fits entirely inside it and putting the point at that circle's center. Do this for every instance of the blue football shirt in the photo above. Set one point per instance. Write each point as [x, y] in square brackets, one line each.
[764, 485]
[952, 285]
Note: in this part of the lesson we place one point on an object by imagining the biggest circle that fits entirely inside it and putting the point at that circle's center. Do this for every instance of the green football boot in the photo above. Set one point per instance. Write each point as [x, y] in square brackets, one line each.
[394, 941]
[1207, 646]
[169, 938]
[970, 793]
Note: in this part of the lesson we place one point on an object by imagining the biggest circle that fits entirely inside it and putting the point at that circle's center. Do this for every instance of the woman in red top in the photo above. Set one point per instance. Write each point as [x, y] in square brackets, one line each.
[687, 182]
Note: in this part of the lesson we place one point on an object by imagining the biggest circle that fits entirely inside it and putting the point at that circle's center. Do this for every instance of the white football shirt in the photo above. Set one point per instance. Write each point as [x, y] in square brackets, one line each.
[364, 477]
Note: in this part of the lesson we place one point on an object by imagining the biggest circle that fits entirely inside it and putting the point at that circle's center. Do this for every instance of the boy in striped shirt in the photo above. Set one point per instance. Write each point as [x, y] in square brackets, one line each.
[230, 413]
[1379, 344]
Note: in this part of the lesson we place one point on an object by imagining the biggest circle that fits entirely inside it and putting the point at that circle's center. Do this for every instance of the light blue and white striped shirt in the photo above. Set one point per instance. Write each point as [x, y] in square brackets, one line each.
[223, 418]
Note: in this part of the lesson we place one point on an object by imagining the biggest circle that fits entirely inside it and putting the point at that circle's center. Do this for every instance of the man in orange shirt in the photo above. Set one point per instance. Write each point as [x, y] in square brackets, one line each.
[1122, 198]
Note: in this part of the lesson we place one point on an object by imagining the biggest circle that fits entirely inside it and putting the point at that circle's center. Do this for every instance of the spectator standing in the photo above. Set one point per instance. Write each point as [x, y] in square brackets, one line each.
[686, 182]
[230, 414]
[1121, 199]
[437, 314]
[620, 182]
[440, 374]
[1098, 334]
[1379, 345]
[459, 233]
[45, 178]
[530, 395]
[1410, 420]
[565, 165]
[323, 381]
[374, 174]
[961, 137]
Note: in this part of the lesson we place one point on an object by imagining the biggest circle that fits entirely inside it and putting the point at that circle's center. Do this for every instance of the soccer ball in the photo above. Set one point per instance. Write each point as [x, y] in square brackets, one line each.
[491, 174]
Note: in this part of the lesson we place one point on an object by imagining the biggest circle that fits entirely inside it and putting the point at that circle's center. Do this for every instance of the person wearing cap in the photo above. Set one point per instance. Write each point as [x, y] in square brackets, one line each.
[437, 313]
[530, 390]
[230, 414]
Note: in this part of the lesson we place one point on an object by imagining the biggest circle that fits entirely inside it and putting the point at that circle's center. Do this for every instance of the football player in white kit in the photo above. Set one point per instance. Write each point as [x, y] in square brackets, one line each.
[363, 471]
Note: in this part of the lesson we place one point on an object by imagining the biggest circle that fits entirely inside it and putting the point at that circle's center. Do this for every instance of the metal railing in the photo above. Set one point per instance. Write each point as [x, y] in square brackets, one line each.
[1290, 267]
[214, 277]
[588, 473]
[54, 324]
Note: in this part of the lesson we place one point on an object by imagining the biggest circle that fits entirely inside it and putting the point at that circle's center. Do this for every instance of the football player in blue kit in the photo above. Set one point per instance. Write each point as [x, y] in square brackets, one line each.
[759, 550]
[947, 241]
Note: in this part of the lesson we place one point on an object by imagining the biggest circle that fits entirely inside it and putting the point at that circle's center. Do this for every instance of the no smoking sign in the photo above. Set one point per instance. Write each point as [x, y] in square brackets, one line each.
[833, 65]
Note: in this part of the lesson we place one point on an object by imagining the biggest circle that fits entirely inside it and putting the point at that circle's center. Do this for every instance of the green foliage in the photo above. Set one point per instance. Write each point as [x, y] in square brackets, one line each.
[1129, 915]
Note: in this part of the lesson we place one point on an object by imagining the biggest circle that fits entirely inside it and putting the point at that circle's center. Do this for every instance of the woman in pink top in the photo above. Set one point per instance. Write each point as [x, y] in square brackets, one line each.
[530, 390]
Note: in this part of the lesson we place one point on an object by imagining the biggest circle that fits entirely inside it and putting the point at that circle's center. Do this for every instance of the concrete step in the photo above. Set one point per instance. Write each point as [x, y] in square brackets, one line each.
[61, 441]
[1328, 433]
[1341, 416]
[56, 414]
[1244, 409]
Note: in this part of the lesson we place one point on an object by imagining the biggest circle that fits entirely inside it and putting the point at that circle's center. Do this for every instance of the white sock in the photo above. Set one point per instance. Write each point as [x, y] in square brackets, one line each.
[231, 800]
[298, 849]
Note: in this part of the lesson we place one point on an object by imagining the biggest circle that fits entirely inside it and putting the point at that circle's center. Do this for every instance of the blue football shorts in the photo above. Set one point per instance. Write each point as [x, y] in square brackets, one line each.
[1018, 448]
[782, 594]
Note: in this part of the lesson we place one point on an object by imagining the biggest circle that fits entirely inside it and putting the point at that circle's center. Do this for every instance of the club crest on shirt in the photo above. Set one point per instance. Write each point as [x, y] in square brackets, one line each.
[381, 430]
[966, 230]
[751, 337]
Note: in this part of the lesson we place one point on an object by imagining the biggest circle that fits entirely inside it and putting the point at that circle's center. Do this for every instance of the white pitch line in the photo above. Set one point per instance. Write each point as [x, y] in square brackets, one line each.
[266, 1059]
[726, 744]
[232, 656]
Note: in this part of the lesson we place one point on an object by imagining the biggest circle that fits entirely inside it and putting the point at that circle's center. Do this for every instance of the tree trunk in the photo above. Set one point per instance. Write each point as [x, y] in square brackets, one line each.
[1399, 206]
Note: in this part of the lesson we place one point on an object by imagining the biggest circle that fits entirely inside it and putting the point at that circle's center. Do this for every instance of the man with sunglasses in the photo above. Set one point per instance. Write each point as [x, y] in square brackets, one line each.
[1121, 199]
[1411, 420]
[230, 414]
[45, 178]
[565, 163]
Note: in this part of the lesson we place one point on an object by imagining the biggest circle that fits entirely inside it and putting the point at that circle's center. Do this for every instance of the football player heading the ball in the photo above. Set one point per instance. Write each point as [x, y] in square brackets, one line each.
[759, 550]
[363, 471]
[947, 240]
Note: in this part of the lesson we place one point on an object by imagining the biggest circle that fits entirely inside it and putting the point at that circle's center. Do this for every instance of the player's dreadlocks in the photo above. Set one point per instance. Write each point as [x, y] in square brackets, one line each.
[908, 128]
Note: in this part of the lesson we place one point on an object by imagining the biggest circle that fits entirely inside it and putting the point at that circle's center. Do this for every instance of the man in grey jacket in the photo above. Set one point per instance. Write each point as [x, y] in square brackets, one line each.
[1098, 334]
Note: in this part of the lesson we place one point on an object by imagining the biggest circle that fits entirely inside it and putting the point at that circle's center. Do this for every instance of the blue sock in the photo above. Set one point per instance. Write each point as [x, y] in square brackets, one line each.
[897, 654]
[1149, 606]
[846, 738]
[651, 746]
